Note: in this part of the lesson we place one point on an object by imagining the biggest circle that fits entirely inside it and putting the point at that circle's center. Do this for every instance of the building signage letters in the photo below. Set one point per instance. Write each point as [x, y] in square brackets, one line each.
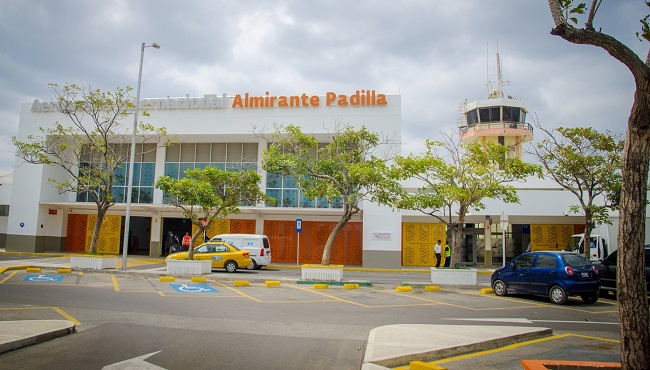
[242, 101]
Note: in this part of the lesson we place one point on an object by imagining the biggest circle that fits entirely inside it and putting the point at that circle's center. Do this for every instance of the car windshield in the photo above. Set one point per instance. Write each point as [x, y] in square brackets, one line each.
[575, 260]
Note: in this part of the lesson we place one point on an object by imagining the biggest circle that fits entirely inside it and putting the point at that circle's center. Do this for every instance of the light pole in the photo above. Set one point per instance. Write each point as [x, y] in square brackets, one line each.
[129, 192]
[504, 226]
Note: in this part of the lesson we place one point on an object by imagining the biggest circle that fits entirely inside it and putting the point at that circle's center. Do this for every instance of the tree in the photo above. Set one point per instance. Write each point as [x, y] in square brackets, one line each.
[344, 171]
[93, 150]
[461, 176]
[631, 291]
[209, 194]
[588, 164]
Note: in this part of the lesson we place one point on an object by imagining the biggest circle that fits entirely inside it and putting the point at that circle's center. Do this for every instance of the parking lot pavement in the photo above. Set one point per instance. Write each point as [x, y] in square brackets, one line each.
[144, 277]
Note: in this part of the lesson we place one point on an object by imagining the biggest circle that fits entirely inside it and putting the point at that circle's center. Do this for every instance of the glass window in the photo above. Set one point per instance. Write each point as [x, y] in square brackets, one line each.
[4, 210]
[545, 260]
[507, 114]
[575, 260]
[495, 114]
[233, 167]
[146, 195]
[525, 261]
[472, 117]
[273, 180]
[484, 114]
[171, 170]
[322, 203]
[306, 202]
[289, 182]
[184, 167]
[118, 193]
[220, 165]
[290, 198]
[119, 176]
[136, 173]
[275, 194]
[516, 115]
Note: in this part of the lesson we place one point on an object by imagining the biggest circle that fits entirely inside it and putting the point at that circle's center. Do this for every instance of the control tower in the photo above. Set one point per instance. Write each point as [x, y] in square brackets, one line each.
[498, 119]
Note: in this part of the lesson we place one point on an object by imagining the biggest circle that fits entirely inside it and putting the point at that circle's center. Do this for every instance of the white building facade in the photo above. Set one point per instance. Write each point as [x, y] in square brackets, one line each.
[225, 132]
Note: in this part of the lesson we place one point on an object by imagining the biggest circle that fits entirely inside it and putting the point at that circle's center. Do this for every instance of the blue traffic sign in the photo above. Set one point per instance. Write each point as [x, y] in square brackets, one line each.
[42, 278]
[193, 288]
[299, 225]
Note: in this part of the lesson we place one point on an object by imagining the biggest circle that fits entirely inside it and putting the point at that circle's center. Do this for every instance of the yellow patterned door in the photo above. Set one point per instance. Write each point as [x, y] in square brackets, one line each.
[418, 240]
[549, 237]
[109, 235]
[216, 227]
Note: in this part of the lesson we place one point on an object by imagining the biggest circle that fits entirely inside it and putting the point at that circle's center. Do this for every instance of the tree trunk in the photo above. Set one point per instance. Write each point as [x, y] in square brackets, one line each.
[631, 290]
[586, 239]
[101, 211]
[325, 261]
[456, 238]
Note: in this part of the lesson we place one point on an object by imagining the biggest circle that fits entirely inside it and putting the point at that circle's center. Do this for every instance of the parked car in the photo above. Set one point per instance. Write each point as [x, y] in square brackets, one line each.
[607, 272]
[222, 254]
[556, 275]
[257, 245]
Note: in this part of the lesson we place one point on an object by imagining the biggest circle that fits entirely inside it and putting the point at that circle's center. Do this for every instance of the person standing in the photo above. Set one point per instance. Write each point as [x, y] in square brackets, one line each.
[171, 242]
[186, 241]
[447, 254]
[436, 250]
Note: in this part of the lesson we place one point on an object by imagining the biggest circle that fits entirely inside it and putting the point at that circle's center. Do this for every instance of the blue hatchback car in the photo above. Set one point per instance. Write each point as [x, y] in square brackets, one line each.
[556, 275]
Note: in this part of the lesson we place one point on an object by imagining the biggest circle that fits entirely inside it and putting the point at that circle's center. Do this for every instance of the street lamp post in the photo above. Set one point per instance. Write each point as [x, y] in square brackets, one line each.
[504, 226]
[129, 192]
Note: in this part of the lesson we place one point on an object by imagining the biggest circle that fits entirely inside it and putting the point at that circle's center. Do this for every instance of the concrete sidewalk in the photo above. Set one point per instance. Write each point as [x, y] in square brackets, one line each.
[22, 333]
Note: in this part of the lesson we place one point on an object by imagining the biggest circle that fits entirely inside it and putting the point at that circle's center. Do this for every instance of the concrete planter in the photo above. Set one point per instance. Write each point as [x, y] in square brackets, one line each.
[322, 273]
[453, 276]
[189, 267]
[93, 262]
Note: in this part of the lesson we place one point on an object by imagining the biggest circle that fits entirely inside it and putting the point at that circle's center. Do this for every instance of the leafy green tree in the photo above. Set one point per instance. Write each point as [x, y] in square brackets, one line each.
[344, 171]
[209, 194]
[456, 178]
[631, 285]
[93, 150]
[588, 164]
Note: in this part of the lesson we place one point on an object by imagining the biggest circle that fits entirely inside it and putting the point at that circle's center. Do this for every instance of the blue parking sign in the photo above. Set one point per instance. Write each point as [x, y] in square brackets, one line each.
[193, 288]
[43, 278]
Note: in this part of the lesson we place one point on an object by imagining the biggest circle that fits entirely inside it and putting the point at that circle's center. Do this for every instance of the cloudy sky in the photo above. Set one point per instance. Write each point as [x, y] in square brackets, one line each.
[435, 54]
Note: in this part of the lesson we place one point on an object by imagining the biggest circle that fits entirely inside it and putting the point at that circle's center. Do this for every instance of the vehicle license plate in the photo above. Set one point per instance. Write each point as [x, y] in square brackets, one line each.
[584, 274]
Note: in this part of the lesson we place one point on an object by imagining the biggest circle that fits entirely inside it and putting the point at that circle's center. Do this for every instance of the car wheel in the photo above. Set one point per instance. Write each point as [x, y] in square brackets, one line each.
[253, 265]
[590, 298]
[231, 266]
[557, 295]
[500, 288]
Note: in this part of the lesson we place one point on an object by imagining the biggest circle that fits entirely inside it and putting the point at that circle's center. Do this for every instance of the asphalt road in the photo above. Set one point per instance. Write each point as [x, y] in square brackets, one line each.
[184, 325]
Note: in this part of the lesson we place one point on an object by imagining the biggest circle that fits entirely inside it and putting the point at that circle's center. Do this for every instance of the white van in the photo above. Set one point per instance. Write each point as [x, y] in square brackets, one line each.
[257, 245]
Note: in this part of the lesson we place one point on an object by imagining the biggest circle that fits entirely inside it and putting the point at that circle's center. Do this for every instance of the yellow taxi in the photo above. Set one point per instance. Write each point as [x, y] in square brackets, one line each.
[222, 255]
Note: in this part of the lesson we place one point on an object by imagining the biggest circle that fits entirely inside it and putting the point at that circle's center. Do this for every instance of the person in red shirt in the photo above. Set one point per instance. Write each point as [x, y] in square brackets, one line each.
[186, 241]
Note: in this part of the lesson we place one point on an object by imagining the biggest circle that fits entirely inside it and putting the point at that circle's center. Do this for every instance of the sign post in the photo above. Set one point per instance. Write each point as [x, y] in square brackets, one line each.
[298, 230]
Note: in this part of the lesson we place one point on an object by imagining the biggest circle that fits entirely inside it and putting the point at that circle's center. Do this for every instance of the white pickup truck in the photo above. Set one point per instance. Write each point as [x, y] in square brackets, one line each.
[598, 248]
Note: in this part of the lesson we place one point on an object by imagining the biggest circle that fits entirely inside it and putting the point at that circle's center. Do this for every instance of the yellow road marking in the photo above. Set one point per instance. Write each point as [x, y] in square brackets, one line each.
[328, 296]
[236, 291]
[510, 347]
[65, 314]
[115, 284]
[8, 277]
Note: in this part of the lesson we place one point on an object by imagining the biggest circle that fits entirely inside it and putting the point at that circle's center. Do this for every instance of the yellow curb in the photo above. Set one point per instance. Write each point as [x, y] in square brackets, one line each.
[198, 279]
[404, 288]
[419, 365]
[321, 286]
[33, 269]
[487, 291]
[351, 286]
[64, 271]
[272, 283]
[241, 283]
[169, 279]
[432, 288]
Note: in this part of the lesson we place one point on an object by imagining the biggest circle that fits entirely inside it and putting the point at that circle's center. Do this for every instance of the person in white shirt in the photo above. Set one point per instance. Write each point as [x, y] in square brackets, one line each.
[436, 250]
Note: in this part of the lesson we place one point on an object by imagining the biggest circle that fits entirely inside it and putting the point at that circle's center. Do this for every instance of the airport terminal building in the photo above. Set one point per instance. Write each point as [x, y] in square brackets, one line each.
[224, 131]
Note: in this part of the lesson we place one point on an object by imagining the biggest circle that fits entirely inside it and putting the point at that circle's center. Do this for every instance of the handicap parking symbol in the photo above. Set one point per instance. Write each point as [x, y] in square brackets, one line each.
[42, 278]
[193, 288]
